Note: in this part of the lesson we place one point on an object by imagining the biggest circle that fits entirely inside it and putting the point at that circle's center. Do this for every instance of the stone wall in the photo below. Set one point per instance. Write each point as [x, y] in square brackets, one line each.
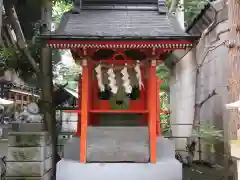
[210, 55]
[29, 154]
[182, 88]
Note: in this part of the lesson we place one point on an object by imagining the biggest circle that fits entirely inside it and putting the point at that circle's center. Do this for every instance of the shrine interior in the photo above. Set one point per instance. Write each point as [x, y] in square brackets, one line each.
[129, 108]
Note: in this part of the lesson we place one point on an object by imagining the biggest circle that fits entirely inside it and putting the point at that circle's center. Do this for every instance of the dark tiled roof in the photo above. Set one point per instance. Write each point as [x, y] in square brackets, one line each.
[119, 24]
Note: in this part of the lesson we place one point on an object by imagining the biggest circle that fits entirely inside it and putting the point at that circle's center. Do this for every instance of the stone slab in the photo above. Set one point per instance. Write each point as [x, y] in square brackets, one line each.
[27, 127]
[47, 176]
[168, 169]
[119, 120]
[22, 169]
[3, 147]
[118, 144]
[28, 139]
[165, 149]
[29, 153]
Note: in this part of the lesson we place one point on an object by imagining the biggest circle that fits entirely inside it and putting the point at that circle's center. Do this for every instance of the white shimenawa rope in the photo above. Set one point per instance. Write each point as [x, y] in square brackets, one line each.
[98, 70]
[112, 81]
[126, 81]
[139, 75]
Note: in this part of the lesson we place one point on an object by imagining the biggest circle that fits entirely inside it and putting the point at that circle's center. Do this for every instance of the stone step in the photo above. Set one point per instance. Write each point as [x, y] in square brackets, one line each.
[29, 153]
[28, 169]
[165, 149]
[46, 176]
[165, 169]
[118, 144]
[28, 139]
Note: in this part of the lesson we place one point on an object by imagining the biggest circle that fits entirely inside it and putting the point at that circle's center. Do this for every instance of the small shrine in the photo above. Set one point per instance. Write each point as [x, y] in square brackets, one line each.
[119, 44]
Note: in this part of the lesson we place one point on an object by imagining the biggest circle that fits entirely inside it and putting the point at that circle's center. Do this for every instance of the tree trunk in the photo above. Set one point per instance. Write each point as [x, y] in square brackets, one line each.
[1, 12]
[46, 82]
[234, 65]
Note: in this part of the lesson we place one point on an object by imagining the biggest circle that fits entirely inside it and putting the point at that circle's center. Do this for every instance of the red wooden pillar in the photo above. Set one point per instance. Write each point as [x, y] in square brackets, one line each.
[79, 106]
[158, 107]
[152, 113]
[84, 112]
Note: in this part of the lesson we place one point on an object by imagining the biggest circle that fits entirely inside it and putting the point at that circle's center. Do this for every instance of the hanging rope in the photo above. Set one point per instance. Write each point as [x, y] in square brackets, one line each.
[139, 75]
[112, 80]
[126, 81]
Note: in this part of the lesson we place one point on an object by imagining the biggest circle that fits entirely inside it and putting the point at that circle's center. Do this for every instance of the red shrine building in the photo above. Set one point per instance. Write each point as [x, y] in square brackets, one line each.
[119, 44]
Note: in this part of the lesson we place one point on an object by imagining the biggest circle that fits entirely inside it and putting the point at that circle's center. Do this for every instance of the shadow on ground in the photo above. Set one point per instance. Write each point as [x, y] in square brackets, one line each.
[202, 172]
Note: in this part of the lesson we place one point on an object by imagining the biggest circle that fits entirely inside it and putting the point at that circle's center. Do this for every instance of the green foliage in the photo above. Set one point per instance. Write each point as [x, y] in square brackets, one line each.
[64, 74]
[191, 8]
[6, 54]
[67, 74]
[163, 73]
[59, 8]
[208, 133]
[165, 118]
[13, 58]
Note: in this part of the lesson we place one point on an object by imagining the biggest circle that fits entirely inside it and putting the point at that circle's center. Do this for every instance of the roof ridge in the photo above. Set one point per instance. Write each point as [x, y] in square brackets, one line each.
[120, 7]
[79, 5]
[84, 2]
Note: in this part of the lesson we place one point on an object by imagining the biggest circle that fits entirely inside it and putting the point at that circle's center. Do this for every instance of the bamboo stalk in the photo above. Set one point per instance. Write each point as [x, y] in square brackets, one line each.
[1, 15]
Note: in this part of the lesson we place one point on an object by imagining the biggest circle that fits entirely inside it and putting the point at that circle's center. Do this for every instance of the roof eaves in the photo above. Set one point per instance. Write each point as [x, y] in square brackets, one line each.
[79, 37]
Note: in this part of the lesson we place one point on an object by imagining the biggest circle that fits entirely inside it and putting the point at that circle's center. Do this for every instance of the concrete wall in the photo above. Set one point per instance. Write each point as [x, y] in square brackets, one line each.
[212, 76]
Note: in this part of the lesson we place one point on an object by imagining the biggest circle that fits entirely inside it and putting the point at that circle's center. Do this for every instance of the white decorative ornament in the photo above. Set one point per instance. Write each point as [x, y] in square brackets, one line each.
[112, 81]
[128, 87]
[126, 81]
[98, 71]
[139, 75]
